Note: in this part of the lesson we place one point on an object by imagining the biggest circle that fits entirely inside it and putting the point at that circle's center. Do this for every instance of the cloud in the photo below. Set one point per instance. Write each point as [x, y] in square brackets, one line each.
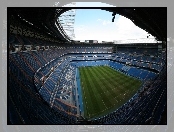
[104, 22]
[106, 30]
[126, 29]
[99, 20]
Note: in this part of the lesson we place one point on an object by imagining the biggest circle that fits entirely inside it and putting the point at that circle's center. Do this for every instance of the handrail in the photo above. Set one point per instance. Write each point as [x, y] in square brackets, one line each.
[44, 58]
[46, 89]
[69, 113]
[66, 103]
[19, 66]
[26, 62]
[21, 119]
[36, 59]
[52, 80]
[33, 71]
[24, 87]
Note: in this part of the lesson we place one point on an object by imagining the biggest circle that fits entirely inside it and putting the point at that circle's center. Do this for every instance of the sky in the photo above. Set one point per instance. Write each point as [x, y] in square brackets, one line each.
[96, 24]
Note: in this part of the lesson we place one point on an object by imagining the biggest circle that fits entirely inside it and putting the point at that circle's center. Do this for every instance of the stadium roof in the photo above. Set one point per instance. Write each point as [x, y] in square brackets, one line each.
[152, 20]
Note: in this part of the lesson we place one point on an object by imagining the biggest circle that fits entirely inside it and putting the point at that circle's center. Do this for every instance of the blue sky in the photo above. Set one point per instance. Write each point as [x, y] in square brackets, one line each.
[91, 4]
[96, 24]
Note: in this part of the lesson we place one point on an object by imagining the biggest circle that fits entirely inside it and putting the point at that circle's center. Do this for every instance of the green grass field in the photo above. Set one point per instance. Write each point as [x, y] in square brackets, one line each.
[105, 89]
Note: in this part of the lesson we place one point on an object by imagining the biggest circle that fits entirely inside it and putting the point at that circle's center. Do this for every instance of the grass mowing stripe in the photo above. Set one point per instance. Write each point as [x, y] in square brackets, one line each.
[95, 88]
[103, 79]
[121, 74]
[112, 71]
[86, 88]
[132, 78]
[114, 91]
[100, 87]
[128, 93]
[124, 81]
[117, 83]
[123, 92]
[95, 105]
[107, 85]
[84, 94]
[129, 85]
[91, 108]
[102, 97]
[111, 108]
[106, 82]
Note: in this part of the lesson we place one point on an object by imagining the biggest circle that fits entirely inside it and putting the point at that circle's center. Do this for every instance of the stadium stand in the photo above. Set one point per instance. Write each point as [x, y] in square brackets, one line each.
[43, 81]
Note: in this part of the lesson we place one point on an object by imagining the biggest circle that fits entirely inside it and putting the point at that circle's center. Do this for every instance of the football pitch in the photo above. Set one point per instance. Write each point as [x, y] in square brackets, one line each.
[105, 89]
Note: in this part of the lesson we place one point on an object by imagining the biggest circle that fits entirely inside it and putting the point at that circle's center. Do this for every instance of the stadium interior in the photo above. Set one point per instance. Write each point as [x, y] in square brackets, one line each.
[45, 80]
